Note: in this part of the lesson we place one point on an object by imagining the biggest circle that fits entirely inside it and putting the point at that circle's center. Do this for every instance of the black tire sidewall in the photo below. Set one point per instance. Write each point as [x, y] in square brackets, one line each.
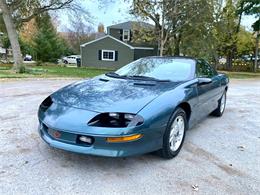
[224, 94]
[167, 152]
[218, 112]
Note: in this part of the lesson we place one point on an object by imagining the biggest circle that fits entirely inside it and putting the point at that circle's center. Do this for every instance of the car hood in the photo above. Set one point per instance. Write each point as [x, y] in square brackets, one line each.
[105, 94]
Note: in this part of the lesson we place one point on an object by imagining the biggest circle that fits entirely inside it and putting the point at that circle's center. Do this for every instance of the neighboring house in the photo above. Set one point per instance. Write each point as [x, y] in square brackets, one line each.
[2, 50]
[117, 48]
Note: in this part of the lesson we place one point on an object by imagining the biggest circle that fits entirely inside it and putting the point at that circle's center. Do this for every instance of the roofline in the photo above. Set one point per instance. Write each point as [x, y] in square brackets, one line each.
[109, 36]
[147, 48]
[131, 21]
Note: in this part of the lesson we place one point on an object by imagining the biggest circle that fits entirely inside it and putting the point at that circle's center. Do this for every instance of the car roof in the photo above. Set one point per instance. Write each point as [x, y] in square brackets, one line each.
[73, 56]
[171, 57]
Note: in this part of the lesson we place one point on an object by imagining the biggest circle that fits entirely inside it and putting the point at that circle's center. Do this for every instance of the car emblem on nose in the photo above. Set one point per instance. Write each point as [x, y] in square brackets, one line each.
[57, 134]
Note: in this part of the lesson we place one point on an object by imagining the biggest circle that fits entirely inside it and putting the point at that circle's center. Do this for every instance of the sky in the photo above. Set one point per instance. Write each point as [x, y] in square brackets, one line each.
[112, 13]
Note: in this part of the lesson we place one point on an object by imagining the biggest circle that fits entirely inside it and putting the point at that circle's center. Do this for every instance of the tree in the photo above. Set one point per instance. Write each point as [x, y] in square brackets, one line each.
[245, 43]
[252, 7]
[78, 32]
[143, 34]
[18, 11]
[48, 45]
[12, 34]
[170, 18]
[195, 36]
[227, 32]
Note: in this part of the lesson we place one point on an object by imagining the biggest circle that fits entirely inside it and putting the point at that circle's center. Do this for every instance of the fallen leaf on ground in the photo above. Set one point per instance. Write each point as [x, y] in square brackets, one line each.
[241, 148]
[195, 187]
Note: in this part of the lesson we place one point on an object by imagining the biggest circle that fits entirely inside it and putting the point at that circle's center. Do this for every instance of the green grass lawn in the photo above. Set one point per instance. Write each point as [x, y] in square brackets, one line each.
[84, 72]
[242, 75]
[52, 71]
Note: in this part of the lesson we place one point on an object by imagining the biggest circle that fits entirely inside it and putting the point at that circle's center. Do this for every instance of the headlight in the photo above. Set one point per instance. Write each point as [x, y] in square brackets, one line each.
[116, 120]
[46, 103]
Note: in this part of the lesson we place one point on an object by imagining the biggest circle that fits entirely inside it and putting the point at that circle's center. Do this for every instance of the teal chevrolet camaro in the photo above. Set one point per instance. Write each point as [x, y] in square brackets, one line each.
[145, 106]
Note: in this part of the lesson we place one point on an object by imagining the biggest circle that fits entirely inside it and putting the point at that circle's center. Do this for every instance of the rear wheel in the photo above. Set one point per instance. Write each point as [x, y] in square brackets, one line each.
[221, 105]
[174, 135]
[65, 62]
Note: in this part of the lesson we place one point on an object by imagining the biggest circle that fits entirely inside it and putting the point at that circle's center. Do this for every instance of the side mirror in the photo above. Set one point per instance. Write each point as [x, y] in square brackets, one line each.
[204, 81]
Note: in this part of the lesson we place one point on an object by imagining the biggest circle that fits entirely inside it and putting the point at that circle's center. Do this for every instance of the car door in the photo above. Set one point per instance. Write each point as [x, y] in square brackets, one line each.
[70, 60]
[208, 88]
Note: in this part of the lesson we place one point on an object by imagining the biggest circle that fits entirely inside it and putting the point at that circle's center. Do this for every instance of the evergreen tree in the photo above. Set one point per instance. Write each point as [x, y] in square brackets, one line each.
[48, 45]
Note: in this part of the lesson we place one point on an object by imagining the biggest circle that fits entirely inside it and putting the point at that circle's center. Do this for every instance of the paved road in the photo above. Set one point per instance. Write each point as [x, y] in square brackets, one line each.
[211, 157]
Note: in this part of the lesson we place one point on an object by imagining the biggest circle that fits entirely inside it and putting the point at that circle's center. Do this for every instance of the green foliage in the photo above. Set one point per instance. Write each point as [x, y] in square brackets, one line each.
[5, 41]
[48, 45]
[2, 24]
[26, 48]
[227, 28]
[245, 43]
[256, 25]
[251, 7]
[198, 36]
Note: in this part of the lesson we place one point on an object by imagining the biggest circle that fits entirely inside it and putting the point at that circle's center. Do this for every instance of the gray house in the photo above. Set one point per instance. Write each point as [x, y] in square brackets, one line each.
[117, 48]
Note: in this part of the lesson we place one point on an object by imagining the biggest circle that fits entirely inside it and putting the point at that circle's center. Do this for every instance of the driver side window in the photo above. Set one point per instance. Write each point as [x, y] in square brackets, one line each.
[203, 69]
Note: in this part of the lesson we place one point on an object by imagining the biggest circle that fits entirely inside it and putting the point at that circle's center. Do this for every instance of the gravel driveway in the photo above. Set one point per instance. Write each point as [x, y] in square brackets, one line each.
[220, 155]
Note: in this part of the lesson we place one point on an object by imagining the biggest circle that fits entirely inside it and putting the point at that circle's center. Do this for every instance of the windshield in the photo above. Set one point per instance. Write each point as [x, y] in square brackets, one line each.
[174, 69]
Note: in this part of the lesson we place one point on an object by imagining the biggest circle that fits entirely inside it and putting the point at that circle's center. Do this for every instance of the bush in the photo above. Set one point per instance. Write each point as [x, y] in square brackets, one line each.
[238, 66]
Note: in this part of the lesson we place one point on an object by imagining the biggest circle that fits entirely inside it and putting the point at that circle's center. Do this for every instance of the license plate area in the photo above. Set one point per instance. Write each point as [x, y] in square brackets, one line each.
[71, 138]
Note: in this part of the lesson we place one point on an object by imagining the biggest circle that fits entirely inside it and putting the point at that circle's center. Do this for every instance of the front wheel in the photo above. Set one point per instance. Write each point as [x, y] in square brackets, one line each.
[174, 135]
[221, 105]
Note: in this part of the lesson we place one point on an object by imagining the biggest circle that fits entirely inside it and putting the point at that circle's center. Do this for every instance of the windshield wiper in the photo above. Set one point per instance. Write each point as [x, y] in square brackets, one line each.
[115, 75]
[140, 77]
[137, 77]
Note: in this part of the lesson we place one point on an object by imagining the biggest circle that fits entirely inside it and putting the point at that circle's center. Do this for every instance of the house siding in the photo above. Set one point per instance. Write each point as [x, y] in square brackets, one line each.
[140, 53]
[117, 33]
[90, 54]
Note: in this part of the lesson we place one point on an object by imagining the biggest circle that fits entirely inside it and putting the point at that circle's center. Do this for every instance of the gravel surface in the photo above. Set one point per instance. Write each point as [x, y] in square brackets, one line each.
[220, 155]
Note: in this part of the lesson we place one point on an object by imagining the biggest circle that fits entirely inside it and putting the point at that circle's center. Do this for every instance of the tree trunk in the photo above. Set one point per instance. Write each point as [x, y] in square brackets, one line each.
[229, 61]
[162, 36]
[216, 60]
[256, 51]
[177, 41]
[13, 37]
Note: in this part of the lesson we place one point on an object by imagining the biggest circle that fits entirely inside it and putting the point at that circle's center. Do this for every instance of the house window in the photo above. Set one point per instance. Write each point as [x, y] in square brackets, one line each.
[108, 55]
[126, 35]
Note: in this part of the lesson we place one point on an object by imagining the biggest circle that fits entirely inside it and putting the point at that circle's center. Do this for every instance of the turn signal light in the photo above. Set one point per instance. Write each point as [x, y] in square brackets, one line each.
[124, 139]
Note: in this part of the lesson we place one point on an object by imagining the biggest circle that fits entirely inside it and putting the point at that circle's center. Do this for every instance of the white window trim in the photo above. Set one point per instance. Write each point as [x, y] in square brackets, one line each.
[105, 59]
[128, 39]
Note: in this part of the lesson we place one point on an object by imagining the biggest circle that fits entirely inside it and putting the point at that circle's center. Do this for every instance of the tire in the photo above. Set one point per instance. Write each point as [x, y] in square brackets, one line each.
[65, 62]
[221, 105]
[169, 149]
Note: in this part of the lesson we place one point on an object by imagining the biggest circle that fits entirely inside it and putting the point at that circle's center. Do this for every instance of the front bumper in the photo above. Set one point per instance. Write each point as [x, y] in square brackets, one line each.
[150, 141]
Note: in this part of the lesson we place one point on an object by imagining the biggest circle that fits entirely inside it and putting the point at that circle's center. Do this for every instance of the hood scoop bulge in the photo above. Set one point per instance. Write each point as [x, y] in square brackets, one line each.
[144, 84]
[104, 80]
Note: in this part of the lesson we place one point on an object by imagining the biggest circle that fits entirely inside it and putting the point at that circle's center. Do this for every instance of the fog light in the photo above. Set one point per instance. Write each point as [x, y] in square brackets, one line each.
[124, 139]
[85, 139]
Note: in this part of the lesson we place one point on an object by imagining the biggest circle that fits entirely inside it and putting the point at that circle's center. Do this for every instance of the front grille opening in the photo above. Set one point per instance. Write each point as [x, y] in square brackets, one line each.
[104, 120]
